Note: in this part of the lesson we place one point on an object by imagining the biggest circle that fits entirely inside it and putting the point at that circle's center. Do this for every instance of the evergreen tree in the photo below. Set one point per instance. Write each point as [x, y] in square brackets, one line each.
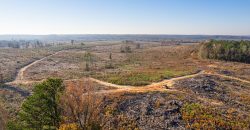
[41, 110]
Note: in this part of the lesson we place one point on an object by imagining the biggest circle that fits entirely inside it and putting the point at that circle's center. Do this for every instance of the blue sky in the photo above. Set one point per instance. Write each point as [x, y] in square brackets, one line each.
[225, 17]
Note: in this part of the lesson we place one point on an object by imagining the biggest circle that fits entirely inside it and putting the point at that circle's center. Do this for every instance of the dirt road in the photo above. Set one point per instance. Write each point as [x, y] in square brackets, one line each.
[165, 85]
[20, 75]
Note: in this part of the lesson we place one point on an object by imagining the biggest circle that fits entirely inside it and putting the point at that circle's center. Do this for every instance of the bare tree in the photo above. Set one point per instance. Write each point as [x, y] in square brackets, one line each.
[138, 46]
[81, 105]
[110, 63]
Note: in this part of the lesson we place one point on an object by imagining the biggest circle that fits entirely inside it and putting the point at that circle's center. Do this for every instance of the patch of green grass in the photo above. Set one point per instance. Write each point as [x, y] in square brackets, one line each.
[140, 78]
[172, 73]
[129, 79]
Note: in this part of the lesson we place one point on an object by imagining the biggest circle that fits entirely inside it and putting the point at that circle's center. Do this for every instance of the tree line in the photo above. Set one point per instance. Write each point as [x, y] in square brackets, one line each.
[238, 51]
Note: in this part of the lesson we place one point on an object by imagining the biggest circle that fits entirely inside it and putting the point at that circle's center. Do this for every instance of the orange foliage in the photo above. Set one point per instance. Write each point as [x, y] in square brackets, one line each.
[80, 104]
[72, 126]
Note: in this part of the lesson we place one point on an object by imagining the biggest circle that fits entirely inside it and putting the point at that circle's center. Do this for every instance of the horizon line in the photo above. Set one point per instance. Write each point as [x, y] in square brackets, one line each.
[122, 34]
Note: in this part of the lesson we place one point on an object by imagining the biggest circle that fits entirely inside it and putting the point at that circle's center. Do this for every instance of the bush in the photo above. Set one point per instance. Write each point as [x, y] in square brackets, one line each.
[13, 126]
[197, 116]
[126, 49]
[72, 126]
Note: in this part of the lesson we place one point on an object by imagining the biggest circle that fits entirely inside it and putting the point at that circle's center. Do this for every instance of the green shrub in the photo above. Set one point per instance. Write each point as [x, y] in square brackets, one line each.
[41, 110]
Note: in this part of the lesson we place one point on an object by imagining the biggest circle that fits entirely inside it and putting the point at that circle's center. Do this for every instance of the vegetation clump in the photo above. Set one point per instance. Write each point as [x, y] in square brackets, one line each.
[198, 116]
[80, 107]
[88, 57]
[42, 109]
[238, 51]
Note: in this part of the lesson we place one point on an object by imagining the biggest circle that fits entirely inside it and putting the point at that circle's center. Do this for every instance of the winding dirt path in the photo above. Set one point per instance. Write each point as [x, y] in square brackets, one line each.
[162, 86]
[168, 82]
[109, 84]
[20, 75]
[229, 77]
[165, 85]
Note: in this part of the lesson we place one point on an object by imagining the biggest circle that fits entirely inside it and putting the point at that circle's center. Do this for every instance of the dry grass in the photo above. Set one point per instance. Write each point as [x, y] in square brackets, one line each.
[154, 63]
[149, 65]
[13, 59]
[71, 65]
[204, 117]
[143, 66]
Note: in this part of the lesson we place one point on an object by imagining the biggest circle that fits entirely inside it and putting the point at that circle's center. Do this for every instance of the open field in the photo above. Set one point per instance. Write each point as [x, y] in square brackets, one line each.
[125, 65]
[151, 63]
[150, 87]
[14, 59]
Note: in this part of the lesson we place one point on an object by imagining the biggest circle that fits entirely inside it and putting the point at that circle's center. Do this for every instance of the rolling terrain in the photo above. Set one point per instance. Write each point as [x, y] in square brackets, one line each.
[152, 87]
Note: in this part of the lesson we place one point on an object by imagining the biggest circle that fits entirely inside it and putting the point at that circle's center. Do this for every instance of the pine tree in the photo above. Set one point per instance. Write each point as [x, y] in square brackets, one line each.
[41, 110]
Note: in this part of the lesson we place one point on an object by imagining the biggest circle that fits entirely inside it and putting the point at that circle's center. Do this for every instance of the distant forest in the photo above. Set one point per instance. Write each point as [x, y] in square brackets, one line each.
[132, 37]
[238, 51]
[23, 44]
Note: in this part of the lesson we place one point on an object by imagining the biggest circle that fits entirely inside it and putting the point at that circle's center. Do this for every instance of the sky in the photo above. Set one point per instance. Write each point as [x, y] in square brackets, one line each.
[188, 17]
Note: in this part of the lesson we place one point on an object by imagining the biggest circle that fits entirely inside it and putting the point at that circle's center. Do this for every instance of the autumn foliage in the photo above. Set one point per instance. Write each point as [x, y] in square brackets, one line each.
[197, 116]
[81, 105]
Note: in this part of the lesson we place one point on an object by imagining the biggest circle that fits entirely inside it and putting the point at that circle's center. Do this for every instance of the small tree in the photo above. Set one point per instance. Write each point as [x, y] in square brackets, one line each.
[110, 56]
[87, 68]
[81, 105]
[122, 49]
[41, 110]
[1, 78]
[110, 64]
[138, 46]
[126, 49]
[88, 58]
[72, 42]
